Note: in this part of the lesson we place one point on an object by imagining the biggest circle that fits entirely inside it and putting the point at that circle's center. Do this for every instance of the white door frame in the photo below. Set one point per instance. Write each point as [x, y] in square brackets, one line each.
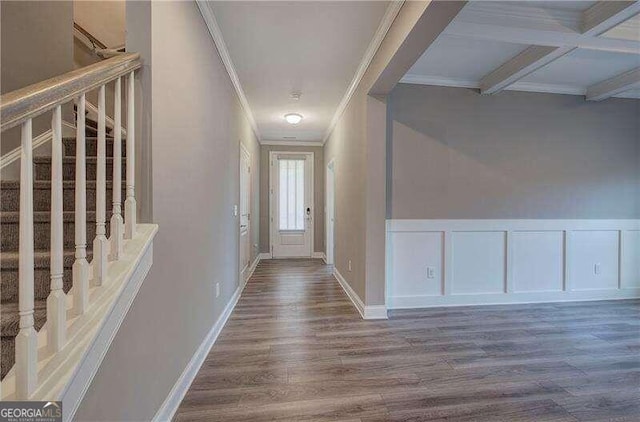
[330, 201]
[272, 218]
[244, 152]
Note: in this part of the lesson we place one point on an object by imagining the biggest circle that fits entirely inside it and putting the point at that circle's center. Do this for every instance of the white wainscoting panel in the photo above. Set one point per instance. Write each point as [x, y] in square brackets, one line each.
[510, 261]
[630, 259]
[589, 249]
[538, 261]
[412, 253]
[477, 262]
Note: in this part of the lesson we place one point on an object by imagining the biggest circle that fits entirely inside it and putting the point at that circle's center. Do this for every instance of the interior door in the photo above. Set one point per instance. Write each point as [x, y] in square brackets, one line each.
[292, 205]
[245, 210]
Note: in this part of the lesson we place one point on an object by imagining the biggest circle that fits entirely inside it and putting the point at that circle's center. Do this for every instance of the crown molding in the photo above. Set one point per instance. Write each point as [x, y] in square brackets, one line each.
[390, 14]
[216, 35]
[292, 143]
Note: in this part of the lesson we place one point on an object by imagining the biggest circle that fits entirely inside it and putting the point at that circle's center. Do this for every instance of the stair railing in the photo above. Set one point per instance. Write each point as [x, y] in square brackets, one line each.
[20, 107]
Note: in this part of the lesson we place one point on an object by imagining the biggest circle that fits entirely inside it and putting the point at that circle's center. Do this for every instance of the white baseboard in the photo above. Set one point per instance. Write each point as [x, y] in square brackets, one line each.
[180, 388]
[319, 255]
[366, 312]
[265, 255]
[375, 312]
[251, 269]
[416, 302]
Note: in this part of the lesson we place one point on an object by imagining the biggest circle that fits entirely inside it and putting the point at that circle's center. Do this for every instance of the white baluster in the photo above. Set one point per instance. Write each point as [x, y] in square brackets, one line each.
[100, 243]
[80, 265]
[27, 340]
[130, 202]
[117, 225]
[56, 302]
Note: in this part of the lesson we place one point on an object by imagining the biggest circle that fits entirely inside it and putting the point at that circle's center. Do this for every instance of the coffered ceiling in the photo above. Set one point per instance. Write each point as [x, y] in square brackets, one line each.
[567, 47]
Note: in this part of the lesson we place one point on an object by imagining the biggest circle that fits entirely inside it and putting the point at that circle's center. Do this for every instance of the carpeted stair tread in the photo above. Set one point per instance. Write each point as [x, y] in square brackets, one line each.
[42, 168]
[72, 160]
[46, 184]
[41, 259]
[9, 236]
[9, 280]
[45, 216]
[10, 195]
[91, 147]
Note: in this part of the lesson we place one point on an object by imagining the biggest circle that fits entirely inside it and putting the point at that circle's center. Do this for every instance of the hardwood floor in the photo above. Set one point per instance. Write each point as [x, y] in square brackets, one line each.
[295, 349]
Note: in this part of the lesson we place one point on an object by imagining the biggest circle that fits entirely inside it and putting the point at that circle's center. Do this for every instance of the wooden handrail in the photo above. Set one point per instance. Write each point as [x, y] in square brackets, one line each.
[23, 104]
[96, 42]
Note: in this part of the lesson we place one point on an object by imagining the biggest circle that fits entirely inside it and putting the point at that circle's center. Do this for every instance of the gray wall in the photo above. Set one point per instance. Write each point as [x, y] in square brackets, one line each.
[318, 191]
[357, 143]
[36, 44]
[457, 154]
[197, 124]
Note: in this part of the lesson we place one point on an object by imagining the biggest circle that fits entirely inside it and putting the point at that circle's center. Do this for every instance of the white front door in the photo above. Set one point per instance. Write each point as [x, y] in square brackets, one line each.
[291, 204]
[245, 210]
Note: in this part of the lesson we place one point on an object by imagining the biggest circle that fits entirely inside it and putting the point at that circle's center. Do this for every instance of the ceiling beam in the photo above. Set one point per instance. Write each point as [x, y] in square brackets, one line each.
[616, 85]
[528, 61]
[605, 15]
[596, 20]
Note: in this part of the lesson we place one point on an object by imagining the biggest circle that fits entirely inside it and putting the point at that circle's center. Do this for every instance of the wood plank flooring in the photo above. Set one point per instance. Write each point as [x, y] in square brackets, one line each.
[295, 349]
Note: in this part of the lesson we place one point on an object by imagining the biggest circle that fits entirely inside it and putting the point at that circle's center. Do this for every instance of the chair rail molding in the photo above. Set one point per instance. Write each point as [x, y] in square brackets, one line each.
[471, 262]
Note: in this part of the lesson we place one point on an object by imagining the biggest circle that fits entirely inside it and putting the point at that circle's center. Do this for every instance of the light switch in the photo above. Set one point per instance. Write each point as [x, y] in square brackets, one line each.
[431, 272]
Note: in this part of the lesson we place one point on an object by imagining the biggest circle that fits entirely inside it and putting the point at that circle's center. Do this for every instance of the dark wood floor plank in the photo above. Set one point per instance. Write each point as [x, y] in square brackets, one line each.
[295, 349]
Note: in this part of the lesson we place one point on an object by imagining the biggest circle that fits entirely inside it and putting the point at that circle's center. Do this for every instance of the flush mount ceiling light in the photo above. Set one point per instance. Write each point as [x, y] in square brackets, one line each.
[293, 118]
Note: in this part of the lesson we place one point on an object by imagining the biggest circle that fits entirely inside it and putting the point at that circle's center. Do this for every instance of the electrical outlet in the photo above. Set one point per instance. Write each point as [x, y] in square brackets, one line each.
[349, 265]
[217, 289]
[431, 272]
[596, 269]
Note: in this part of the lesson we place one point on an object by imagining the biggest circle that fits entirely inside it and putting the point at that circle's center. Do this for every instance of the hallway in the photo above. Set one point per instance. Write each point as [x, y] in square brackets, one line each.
[295, 349]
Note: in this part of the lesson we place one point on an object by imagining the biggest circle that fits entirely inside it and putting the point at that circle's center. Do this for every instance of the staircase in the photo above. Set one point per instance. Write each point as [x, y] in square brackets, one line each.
[65, 294]
[9, 234]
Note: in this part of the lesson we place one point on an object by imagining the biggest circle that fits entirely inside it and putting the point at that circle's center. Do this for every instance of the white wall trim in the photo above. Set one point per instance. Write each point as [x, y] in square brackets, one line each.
[510, 224]
[251, 269]
[389, 16]
[366, 312]
[319, 255]
[265, 255]
[353, 296]
[180, 388]
[510, 261]
[14, 154]
[292, 143]
[216, 35]
[375, 312]
[414, 302]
